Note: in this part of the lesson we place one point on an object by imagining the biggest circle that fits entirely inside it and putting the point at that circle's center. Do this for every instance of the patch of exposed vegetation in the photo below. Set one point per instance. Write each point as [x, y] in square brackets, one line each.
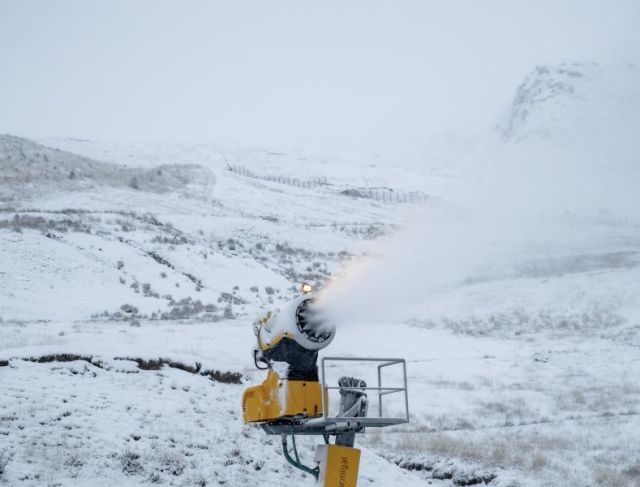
[440, 469]
[5, 458]
[45, 225]
[370, 231]
[215, 375]
[130, 462]
[184, 309]
[516, 322]
[225, 377]
[64, 357]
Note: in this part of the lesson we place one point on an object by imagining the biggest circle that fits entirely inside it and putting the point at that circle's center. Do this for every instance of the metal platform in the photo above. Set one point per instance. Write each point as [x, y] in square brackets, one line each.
[326, 424]
[320, 426]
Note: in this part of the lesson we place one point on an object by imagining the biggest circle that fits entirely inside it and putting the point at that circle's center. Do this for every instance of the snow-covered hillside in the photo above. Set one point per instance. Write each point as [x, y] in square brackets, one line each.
[131, 275]
[30, 169]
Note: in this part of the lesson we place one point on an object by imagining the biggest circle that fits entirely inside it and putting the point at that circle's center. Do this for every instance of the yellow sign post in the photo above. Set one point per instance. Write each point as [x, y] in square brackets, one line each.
[338, 465]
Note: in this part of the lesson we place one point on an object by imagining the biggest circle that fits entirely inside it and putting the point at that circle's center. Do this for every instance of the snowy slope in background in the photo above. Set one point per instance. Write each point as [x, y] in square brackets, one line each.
[31, 169]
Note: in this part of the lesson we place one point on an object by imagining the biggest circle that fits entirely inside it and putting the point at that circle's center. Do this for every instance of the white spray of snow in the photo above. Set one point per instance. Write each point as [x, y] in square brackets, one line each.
[572, 192]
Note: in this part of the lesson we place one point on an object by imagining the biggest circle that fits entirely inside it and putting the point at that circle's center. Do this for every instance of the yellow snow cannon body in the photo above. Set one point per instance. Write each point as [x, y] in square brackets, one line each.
[288, 344]
[278, 398]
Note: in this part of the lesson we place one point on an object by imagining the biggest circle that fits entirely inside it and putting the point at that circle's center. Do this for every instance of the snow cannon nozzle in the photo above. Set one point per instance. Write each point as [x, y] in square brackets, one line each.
[311, 323]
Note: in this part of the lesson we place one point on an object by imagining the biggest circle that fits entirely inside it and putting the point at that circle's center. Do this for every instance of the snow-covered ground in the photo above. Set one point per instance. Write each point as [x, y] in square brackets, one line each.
[524, 373]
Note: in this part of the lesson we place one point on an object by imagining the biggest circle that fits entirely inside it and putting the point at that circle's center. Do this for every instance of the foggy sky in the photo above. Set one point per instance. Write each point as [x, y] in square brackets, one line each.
[337, 75]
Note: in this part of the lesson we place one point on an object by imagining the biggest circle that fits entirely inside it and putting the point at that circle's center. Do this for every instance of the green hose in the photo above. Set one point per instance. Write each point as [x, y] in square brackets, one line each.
[296, 463]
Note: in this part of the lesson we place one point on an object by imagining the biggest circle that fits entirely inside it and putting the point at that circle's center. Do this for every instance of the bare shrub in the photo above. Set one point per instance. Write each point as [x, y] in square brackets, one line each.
[171, 240]
[5, 458]
[200, 481]
[172, 463]
[228, 313]
[633, 471]
[232, 299]
[129, 308]
[538, 461]
[74, 463]
[612, 477]
[131, 463]
[148, 292]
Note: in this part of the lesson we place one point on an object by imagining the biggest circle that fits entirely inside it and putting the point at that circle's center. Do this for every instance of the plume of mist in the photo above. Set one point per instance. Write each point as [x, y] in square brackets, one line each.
[538, 199]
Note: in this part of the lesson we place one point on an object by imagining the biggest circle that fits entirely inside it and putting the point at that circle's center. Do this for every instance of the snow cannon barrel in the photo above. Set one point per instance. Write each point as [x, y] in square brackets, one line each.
[294, 336]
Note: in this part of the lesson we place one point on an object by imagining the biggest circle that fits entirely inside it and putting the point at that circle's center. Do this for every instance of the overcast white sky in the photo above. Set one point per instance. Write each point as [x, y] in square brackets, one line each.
[337, 75]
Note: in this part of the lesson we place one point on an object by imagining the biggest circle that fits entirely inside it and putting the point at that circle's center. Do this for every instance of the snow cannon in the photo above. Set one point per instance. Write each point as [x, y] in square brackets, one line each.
[294, 399]
[288, 345]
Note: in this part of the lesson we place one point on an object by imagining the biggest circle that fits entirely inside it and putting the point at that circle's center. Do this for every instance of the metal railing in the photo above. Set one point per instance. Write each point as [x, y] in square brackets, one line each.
[382, 391]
